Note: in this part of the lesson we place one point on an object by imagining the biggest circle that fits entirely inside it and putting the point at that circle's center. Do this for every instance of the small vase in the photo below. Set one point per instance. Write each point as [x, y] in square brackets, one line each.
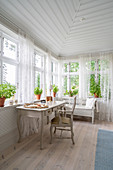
[38, 96]
[54, 94]
[2, 100]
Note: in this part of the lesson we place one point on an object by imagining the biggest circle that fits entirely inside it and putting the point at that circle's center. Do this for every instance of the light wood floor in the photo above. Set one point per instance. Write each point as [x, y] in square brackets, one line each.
[61, 155]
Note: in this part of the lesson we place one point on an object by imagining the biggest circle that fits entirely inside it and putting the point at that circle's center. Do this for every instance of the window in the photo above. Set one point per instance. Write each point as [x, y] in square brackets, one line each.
[65, 86]
[74, 81]
[54, 72]
[71, 77]
[9, 73]
[8, 60]
[9, 49]
[38, 61]
[74, 67]
[39, 70]
[97, 76]
[37, 78]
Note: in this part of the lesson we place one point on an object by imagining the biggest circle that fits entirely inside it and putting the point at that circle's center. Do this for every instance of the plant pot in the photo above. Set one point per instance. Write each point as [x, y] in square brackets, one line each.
[54, 94]
[95, 95]
[38, 96]
[2, 100]
[70, 96]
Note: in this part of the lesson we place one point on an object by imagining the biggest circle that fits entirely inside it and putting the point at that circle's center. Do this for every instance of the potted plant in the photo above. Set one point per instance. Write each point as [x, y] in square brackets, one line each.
[97, 90]
[72, 92]
[95, 87]
[55, 90]
[6, 91]
[38, 92]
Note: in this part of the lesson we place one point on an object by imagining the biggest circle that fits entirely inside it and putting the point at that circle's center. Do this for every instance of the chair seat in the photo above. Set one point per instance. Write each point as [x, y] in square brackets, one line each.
[64, 120]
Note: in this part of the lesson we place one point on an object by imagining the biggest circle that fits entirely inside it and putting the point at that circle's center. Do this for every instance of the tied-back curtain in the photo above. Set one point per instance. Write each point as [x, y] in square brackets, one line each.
[26, 68]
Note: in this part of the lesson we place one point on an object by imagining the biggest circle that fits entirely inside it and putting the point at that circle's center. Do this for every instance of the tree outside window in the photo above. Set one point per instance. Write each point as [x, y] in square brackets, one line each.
[71, 78]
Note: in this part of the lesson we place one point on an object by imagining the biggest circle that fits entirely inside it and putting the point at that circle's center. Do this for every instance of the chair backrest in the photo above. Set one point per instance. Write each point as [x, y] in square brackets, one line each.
[73, 108]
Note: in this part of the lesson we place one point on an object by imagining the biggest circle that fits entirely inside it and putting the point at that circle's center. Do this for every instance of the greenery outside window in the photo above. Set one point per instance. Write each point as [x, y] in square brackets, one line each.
[39, 69]
[97, 77]
[71, 78]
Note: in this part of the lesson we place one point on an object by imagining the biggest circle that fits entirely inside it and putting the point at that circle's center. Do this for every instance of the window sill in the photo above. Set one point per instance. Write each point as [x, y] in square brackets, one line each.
[9, 106]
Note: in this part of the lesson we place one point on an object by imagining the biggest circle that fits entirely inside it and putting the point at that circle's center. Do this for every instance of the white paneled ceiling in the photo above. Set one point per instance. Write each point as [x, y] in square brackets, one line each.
[65, 27]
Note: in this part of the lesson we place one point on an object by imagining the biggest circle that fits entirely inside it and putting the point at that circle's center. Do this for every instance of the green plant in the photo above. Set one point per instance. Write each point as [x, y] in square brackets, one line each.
[75, 91]
[37, 91]
[7, 90]
[55, 88]
[66, 93]
[95, 86]
[70, 93]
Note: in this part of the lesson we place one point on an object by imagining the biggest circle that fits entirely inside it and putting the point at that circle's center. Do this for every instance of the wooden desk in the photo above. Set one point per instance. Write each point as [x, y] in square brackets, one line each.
[52, 107]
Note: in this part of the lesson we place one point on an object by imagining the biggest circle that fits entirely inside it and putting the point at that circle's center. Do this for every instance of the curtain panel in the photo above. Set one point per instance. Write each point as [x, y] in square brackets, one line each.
[105, 71]
[26, 68]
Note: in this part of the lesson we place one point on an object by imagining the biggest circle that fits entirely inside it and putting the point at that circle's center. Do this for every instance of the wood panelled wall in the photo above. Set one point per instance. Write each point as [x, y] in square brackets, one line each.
[8, 126]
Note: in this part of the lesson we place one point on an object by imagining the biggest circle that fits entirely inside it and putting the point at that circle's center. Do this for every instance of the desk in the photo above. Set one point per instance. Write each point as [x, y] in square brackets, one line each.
[52, 107]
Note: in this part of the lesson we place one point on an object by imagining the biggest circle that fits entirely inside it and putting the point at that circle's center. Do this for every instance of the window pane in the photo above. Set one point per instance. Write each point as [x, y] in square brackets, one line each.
[65, 67]
[37, 79]
[9, 49]
[74, 67]
[74, 81]
[51, 66]
[65, 84]
[9, 73]
[38, 61]
[52, 79]
[103, 65]
[75, 84]
[90, 65]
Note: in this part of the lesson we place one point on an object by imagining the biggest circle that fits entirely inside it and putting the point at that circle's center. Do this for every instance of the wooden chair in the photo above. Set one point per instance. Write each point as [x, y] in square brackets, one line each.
[62, 122]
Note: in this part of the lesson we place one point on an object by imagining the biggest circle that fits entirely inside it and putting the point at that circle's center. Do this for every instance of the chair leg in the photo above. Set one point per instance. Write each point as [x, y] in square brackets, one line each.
[72, 135]
[55, 130]
[51, 134]
[61, 134]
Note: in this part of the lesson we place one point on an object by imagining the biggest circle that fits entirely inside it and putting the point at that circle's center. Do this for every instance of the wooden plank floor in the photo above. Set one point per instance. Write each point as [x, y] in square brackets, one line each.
[61, 155]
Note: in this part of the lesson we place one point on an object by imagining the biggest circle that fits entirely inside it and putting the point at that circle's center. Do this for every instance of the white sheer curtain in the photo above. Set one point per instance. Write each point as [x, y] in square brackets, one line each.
[48, 73]
[105, 104]
[106, 83]
[84, 77]
[26, 68]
